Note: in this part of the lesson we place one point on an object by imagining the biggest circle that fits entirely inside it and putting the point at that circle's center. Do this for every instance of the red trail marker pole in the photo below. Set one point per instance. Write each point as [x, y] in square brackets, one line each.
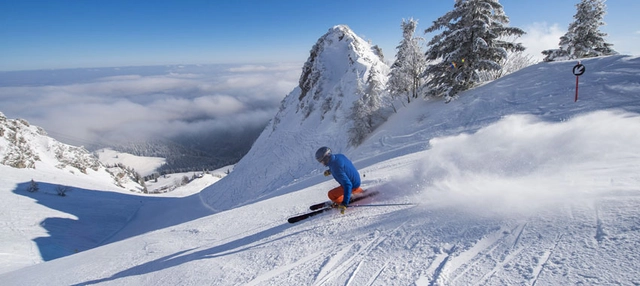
[578, 70]
[576, 89]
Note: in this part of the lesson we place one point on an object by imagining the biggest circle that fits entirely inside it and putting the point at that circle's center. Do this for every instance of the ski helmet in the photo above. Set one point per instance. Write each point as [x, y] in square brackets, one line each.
[323, 155]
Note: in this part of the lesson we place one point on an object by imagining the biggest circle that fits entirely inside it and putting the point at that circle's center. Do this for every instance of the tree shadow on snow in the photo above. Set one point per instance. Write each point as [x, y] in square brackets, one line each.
[181, 257]
[91, 218]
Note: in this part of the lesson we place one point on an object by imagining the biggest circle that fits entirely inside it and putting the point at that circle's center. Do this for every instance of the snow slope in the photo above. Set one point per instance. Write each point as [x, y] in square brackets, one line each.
[513, 184]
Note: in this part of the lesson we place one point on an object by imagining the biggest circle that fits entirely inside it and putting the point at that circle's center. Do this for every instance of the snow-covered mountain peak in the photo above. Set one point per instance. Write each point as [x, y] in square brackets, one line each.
[22, 145]
[26, 146]
[339, 62]
[341, 86]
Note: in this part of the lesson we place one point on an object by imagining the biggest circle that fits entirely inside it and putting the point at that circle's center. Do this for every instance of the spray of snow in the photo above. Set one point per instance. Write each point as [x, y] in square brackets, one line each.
[521, 164]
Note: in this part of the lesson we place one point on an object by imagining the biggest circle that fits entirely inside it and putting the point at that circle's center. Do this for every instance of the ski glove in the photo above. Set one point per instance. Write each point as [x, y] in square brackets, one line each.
[327, 173]
[342, 208]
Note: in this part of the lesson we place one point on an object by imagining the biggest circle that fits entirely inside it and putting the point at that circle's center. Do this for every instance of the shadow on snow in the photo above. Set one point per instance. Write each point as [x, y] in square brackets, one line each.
[181, 257]
[91, 218]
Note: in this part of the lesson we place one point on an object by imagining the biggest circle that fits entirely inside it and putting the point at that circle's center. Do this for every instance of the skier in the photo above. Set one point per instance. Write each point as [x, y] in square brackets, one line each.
[344, 172]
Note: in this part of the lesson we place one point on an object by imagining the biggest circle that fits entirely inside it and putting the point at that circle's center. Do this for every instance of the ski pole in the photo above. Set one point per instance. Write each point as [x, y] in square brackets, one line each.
[382, 205]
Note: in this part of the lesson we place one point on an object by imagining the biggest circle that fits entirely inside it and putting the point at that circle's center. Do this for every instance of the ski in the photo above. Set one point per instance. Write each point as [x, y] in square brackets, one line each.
[324, 207]
[320, 206]
[307, 215]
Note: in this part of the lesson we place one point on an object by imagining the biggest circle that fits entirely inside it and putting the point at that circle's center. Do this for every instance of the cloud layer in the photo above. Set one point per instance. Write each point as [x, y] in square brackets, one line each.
[89, 106]
[540, 37]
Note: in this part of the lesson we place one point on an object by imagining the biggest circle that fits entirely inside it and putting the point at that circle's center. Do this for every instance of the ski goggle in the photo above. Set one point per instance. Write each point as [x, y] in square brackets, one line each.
[324, 160]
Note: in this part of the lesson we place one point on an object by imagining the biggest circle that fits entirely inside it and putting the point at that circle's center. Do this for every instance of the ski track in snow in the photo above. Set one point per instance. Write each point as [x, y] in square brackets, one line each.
[349, 257]
[264, 277]
[544, 259]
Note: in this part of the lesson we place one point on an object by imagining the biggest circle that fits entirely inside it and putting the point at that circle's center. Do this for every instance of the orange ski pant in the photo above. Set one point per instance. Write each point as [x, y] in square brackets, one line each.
[336, 195]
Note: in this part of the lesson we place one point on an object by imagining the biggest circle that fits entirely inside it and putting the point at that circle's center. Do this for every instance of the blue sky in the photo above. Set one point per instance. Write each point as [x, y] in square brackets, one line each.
[91, 33]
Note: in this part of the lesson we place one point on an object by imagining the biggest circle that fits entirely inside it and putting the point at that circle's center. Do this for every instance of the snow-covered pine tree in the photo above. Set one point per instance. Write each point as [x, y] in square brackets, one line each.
[556, 54]
[472, 41]
[583, 38]
[589, 40]
[33, 187]
[368, 112]
[514, 62]
[406, 75]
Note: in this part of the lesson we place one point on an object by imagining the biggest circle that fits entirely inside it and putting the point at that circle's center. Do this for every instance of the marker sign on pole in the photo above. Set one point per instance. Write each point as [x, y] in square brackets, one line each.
[578, 70]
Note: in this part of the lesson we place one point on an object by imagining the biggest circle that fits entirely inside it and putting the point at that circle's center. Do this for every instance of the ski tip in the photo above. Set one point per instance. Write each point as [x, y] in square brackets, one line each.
[297, 218]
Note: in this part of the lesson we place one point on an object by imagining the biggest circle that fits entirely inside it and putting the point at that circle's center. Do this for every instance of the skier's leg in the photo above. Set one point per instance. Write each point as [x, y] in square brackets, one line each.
[336, 194]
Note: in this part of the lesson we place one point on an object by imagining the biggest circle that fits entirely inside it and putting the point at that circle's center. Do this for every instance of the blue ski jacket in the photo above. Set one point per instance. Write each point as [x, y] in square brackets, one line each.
[345, 173]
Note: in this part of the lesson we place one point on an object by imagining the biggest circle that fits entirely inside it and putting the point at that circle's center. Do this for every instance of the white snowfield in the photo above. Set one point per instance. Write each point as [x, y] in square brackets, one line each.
[144, 166]
[514, 183]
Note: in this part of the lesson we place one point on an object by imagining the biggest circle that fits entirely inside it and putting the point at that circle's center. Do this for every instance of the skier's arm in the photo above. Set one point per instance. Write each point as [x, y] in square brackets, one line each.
[344, 181]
